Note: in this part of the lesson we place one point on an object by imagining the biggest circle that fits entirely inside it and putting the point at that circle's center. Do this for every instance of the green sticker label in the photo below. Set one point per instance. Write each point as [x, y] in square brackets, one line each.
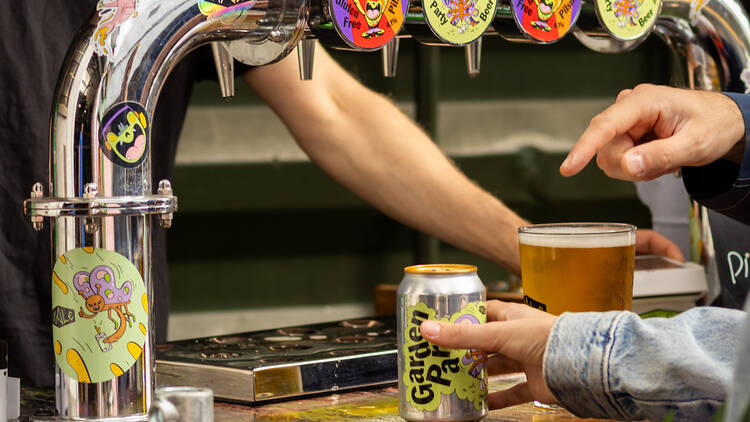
[459, 21]
[99, 314]
[431, 371]
[628, 19]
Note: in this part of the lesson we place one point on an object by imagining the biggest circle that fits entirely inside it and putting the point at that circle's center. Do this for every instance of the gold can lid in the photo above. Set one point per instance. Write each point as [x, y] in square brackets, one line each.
[441, 269]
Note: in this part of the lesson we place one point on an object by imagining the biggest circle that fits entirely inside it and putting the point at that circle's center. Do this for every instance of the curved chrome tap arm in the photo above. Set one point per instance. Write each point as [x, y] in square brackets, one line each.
[100, 164]
[711, 42]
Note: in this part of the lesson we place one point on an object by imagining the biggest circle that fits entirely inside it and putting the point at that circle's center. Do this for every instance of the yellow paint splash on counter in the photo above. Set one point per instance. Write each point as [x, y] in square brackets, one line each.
[381, 410]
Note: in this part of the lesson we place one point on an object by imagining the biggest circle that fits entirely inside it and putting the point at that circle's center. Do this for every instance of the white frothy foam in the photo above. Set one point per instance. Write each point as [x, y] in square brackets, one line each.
[577, 237]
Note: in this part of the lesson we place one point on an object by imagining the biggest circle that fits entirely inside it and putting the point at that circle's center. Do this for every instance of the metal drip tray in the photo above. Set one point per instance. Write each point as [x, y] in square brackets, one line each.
[286, 362]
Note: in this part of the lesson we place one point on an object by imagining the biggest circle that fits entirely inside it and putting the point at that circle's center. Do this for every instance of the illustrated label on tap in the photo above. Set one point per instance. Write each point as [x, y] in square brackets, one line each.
[123, 136]
[628, 19]
[459, 21]
[99, 314]
[225, 10]
[368, 24]
[546, 20]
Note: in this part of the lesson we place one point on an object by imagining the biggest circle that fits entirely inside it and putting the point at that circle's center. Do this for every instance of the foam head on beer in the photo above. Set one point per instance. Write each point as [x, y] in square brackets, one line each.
[577, 266]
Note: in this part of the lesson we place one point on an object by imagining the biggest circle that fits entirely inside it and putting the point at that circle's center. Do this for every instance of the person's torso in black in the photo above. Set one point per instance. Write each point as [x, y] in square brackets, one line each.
[36, 35]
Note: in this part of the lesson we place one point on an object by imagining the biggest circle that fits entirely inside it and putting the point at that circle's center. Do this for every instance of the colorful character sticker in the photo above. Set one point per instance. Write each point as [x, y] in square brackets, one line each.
[368, 24]
[123, 134]
[459, 22]
[696, 8]
[628, 19]
[546, 21]
[99, 314]
[225, 10]
[432, 373]
[112, 13]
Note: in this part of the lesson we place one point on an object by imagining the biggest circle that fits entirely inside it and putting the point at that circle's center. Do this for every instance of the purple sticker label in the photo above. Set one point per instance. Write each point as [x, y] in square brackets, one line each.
[123, 136]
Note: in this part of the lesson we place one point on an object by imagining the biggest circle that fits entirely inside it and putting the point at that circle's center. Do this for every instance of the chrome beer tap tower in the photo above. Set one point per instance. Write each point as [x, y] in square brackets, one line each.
[100, 197]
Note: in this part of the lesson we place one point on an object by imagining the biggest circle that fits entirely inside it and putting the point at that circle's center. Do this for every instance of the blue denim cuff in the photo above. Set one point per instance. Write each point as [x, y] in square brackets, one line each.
[575, 362]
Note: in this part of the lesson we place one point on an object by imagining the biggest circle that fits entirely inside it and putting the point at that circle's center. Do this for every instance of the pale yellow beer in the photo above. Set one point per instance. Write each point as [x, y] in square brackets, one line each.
[577, 267]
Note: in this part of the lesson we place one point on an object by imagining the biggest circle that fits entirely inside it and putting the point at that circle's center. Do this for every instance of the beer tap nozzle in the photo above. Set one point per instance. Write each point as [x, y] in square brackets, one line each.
[473, 57]
[390, 58]
[224, 68]
[306, 58]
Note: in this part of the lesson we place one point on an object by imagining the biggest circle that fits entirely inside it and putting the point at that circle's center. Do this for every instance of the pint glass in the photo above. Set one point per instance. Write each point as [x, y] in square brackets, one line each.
[577, 267]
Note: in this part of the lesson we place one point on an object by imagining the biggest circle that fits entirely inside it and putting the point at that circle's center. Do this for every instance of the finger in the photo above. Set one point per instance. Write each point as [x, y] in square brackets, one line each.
[624, 93]
[506, 311]
[652, 243]
[500, 364]
[512, 396]
[634, 110]
[609, 158]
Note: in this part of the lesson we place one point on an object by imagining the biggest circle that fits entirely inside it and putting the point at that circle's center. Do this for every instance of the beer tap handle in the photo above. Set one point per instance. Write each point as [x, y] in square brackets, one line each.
[306, 57]
[390, 58]
[473, 57]
[224, 68]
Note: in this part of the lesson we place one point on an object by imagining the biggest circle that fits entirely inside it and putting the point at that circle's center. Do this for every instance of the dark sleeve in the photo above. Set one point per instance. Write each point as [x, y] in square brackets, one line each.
[723, 185]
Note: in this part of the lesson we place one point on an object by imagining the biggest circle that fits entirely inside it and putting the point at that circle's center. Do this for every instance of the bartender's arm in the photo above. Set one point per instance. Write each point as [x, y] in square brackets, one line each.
[363, 141]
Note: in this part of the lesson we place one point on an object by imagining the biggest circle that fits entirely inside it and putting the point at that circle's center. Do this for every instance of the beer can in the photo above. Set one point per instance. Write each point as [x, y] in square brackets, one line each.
[436, 383]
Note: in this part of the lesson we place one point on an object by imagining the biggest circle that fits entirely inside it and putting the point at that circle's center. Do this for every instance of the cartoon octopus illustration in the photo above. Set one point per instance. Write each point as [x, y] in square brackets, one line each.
[461, 12]
[102, 294]
[626, 11]
[476, 358]
[113, 13]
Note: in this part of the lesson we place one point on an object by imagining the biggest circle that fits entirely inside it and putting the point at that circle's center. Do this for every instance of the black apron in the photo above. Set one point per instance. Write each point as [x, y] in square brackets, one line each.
[732, 248]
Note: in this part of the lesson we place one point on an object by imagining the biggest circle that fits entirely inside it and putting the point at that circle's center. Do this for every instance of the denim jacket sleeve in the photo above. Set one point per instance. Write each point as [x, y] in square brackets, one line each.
[722, 185]
[617, 365]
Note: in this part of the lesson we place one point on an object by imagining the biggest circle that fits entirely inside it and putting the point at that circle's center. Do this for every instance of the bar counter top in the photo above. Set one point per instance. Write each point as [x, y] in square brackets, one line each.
[379, 404]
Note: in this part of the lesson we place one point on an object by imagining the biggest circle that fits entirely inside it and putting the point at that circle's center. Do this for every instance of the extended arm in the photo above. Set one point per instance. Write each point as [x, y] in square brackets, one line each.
[654, 130]
[607, 365]
[365, 143]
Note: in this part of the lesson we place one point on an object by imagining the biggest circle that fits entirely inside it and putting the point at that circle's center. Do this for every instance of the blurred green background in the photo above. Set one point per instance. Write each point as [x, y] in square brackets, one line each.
[275, 232]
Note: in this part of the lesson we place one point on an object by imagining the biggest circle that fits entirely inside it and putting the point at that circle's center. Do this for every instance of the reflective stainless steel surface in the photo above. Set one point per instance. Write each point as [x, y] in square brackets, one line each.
[473, 57]
[390, 58]
[182, 404]
[224, 68]
[306, 58]
[286, 362]
[124, 54]
[712, 42]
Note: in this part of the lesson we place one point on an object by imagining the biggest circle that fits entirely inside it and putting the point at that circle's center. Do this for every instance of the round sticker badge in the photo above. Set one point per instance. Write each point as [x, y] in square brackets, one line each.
[628, 19]
[99, 314]
[546, 21]
[459, 22]
[123, 136]
[368, 24]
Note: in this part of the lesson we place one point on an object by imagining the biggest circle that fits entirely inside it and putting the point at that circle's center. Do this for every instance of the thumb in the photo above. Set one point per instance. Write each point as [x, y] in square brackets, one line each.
[658, 157]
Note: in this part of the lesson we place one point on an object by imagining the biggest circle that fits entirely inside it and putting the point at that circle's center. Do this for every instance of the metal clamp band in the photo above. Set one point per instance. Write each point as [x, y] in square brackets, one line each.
[99, 207]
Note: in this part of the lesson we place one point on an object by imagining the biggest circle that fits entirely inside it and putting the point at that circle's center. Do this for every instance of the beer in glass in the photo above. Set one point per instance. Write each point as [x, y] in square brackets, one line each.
[577, 267]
